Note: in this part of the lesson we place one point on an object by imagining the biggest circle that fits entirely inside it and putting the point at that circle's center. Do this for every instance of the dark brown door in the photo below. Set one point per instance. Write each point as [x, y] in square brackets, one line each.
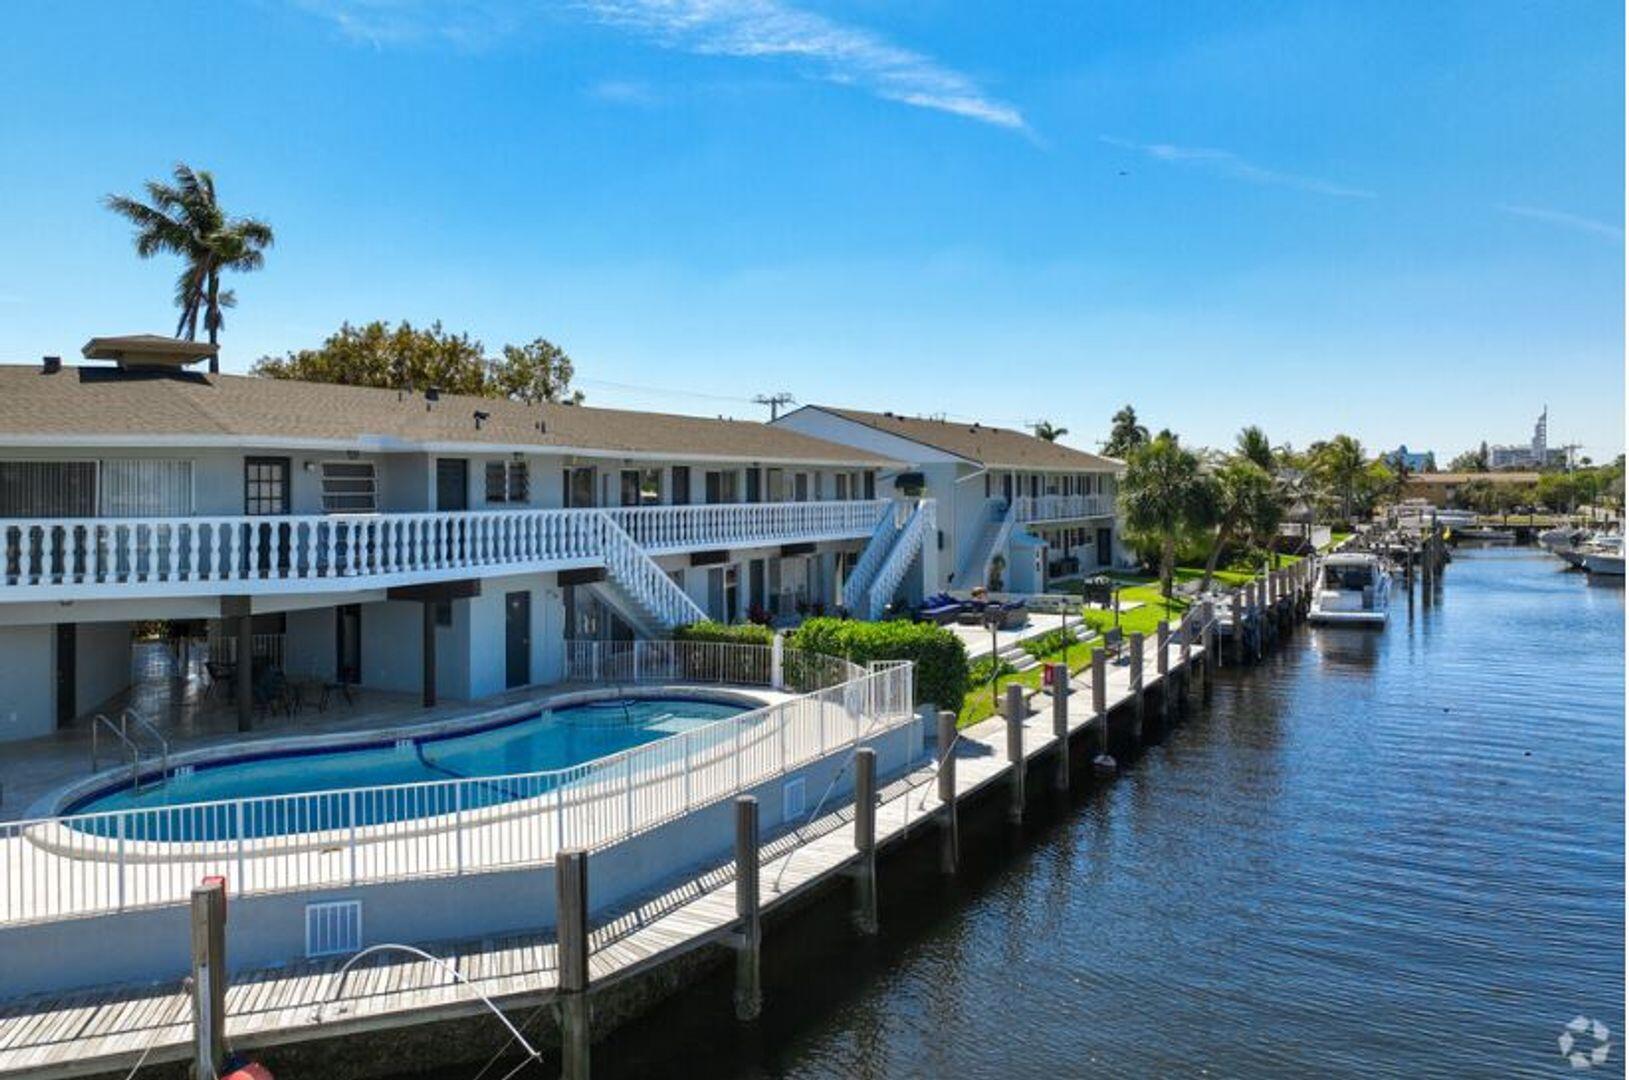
[348, 643]
[452, 484]
[67, 670]
[517, 638]
[266, 482]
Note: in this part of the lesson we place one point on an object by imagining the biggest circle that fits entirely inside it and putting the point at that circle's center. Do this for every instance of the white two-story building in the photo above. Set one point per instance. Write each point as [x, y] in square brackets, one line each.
[1014, 512]
[402, 540]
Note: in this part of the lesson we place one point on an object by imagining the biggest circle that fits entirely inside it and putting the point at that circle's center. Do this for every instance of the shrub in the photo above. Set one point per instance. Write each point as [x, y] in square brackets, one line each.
[1049, 642]
[986, 668]
[940, 659]
[736, 634]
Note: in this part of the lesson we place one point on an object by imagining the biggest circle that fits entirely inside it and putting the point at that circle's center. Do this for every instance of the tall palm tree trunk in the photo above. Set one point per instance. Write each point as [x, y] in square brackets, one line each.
[1223, 535]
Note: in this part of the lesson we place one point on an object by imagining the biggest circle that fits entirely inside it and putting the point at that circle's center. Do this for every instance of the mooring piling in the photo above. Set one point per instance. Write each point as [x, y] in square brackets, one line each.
[1135, 654]
[748, 940]
[1060, 725]
[1014, 713]
[209, 977]
[949, 833]
[571, 950]
[865, 841]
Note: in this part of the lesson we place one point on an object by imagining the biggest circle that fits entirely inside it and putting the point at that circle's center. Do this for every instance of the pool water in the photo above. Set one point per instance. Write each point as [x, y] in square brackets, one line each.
[554, 740]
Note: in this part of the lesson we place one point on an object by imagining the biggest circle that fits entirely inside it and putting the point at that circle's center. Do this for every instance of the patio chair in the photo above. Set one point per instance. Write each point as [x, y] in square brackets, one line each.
[271, 691]
[219, 671]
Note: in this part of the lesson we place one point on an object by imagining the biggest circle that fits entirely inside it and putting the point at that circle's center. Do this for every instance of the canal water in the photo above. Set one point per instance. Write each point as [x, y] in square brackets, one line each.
[1381, 853]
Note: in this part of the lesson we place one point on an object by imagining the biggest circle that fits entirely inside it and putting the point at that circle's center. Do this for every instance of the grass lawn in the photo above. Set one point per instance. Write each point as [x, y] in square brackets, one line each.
[977, 705]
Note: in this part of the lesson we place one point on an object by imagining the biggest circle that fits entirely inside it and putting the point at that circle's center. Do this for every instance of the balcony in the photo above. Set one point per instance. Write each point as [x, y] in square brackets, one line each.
[116, 558]
[1027, 509]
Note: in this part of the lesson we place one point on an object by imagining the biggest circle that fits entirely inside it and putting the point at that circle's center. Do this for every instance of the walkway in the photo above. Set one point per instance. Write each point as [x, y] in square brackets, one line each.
[108, 1030]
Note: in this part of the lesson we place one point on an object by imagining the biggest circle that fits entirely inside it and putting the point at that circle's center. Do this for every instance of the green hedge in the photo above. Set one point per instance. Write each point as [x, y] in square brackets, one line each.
[940, 659]
[734, 634]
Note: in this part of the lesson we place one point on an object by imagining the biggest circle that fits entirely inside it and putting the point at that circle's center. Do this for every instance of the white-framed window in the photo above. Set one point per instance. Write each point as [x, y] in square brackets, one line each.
[507, 482]
[116, 487]
[348, 487]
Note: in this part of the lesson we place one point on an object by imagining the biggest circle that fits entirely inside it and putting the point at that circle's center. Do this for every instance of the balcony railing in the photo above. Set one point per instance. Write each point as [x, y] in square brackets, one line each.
[66, 558]
[1060, 507]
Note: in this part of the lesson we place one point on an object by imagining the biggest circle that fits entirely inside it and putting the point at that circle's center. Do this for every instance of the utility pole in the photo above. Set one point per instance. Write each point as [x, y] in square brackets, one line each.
[775, 401]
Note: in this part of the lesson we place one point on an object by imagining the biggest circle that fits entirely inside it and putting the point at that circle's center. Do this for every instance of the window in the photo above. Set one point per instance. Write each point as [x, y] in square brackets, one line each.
[800, 487]
[630, 487]
[579, 487]
[871, 485]
[47, 488]
[650, 487]
[842, 485]
[347, 487]
[721, 487]
[755, 479]
[776, 485]
[507, 482]
[681, 485]
[138, 488]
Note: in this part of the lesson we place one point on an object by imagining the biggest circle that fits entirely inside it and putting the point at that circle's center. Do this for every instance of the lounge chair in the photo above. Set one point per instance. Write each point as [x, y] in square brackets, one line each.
[941, 608]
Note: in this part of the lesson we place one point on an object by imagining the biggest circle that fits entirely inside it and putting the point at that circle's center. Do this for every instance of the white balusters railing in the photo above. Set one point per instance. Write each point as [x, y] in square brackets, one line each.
[911, 538]
[637, 574]
[67, 558]
[1060, 507]
[876, 550]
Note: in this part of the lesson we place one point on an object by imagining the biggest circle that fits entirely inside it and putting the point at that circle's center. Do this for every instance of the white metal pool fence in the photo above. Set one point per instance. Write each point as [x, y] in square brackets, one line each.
[97, 863]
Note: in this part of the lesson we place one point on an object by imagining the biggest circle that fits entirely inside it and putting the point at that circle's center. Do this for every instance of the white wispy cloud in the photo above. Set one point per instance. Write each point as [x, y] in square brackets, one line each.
[1575, 222]
[1227, 163]
[769, 30]
[839, 53]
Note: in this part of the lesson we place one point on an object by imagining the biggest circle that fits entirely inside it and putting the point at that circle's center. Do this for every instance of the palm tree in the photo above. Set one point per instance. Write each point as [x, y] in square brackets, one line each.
[1125, 434]
[1045, 429]
[1164, 493]
[1254, 446]
[183, 218]
[1340, 464]
[1244, 498]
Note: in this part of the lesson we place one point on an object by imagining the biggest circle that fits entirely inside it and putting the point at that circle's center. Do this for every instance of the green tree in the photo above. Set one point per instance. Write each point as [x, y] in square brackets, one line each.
[401, 356]
[1045, 429]
[1557, 491]
[1164, 495]
[184, 218]
[1125, 434]
[1341, 467]
[1470, 461]
[1240, 492]
[534, 372]
[1253, 445]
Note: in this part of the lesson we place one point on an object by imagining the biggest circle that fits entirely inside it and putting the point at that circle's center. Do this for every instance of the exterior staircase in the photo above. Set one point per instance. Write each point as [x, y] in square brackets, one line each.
[904, 551]
[639, 589]
[975, 570]
[871, 559]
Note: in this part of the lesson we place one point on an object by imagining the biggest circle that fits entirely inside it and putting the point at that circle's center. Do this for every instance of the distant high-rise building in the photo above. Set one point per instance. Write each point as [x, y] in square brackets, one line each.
[1411, 460]
[1535, 455]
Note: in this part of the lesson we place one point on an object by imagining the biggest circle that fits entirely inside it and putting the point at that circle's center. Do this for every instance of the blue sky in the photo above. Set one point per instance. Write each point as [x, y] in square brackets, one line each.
[1401, 220]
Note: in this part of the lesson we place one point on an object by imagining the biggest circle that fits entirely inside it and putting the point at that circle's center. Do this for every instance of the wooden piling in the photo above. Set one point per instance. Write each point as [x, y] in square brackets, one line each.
[571, 949]
[1162, 667]
[749, 991]
[1207, 639]
[1097, 740]
[949, 833]
[865, 841]
[209, 978]
[1135, 653]
[1014, 712]
[1238, 627]
[1060, 725]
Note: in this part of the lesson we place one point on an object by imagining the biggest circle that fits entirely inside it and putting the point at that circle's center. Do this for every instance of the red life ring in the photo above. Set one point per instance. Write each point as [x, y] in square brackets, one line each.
[251, 1071]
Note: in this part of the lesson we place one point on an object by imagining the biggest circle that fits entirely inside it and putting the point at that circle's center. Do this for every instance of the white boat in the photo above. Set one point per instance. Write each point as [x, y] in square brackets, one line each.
[1482, 532]
[1604, 547]
[1605, 563]
[1354, 589]
[1553, 540]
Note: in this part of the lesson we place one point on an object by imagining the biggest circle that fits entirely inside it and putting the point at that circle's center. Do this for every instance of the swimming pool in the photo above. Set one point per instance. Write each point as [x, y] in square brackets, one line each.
[320, 782]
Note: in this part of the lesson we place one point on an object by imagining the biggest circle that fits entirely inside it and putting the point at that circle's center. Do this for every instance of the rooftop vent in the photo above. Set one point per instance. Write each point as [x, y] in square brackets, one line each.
[150, 352]
[52, 365]
[432, 393]
[481, 417]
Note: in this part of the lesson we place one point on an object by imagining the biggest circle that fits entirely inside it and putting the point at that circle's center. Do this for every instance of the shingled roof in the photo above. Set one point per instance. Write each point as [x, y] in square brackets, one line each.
[992, 447]
[106, 406]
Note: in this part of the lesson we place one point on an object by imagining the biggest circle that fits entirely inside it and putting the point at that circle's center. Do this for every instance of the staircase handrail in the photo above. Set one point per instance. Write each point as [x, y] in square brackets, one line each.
[899, 558]
[876, 550]
[636, 571]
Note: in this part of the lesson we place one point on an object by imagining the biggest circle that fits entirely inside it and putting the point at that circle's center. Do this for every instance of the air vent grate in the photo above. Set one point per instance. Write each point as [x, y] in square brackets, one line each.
[333, 927]
[792, 799]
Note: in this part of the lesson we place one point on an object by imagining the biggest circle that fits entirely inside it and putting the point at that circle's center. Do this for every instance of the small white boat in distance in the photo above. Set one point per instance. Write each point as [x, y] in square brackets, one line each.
[1604, 562]
[1354, 588]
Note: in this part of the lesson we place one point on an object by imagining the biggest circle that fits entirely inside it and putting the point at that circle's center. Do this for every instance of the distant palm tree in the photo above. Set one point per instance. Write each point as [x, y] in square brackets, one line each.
[1163, 494]
[1125, 434]
[1045, 429]
[183, 218]
[1254, 447]
[1244, 498]
[1341, 465]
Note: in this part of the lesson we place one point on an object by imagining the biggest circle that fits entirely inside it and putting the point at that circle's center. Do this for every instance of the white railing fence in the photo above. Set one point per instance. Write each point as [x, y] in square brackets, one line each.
[90, 864]
[646, 583]
[892, 571]
[61, 555]
[876, 550]
[1028, 508]
[718, 662]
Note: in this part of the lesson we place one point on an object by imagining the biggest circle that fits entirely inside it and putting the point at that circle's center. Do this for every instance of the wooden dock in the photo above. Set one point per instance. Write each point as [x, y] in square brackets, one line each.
[111, 1030]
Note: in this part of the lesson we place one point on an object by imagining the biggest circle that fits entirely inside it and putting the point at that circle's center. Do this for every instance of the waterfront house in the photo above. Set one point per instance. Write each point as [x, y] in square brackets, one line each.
[1014, 512]
[399, 540]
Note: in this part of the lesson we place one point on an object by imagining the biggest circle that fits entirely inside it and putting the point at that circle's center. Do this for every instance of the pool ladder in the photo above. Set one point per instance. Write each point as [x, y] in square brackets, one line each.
[121, 731]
